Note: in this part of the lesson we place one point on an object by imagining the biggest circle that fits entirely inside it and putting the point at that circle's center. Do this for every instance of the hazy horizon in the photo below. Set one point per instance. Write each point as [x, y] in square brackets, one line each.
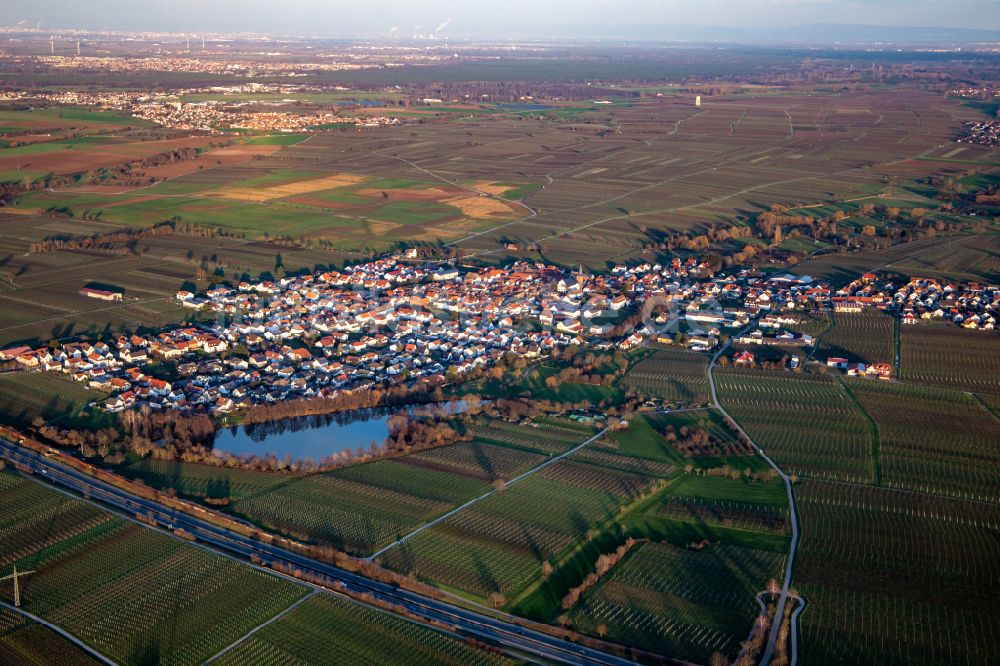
[475, 18]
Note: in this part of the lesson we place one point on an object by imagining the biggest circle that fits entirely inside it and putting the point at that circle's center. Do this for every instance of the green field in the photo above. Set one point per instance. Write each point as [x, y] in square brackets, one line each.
[66, 117]
[25, 397]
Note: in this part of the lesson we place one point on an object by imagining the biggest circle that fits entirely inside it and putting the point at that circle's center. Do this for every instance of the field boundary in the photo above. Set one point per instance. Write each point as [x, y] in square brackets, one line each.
[62, 632]
[490, 493]
[793, 517]
[260, 626]
[873, 428]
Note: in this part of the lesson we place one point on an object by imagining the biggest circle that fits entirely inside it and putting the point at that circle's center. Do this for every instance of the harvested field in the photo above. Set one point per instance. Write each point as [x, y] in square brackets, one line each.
[480, 207]
[291, 189]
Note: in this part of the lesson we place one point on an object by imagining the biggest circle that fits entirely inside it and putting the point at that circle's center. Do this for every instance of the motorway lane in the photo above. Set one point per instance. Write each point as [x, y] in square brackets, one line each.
[517, 639]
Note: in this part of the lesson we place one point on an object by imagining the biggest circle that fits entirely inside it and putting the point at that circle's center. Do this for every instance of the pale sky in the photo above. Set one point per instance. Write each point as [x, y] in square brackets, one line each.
[476, 18]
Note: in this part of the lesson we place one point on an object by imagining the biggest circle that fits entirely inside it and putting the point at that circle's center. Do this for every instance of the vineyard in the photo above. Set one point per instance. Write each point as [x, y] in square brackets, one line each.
[868, 337]
[27, 396]
[951, 357]
[133, 594]
[681, 602]
[476, 460]
[204, 481]
[359, 508]
[934, 440]
[675, 376]
[727, 503]
[834, 442]
[365, 507]
[330, 630]
[499, 544]
[601, 454]
[916, 584]
[552, 439]
[811, 324]
[24, 642]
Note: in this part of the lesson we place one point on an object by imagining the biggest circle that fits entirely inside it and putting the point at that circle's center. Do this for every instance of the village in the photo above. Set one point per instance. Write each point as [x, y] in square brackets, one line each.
[215, 116]
[970, 305]
[389, 322]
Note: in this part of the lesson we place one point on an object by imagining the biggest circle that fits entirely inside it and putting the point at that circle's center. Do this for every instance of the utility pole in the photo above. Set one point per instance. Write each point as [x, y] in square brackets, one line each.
[17, 586]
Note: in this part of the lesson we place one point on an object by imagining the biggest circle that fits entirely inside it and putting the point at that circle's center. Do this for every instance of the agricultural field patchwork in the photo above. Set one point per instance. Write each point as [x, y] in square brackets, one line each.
[675, 376]
[678, 601]
[933, 440]
[329, 630]
[918, 561]
[296, 203]
[498, 545]
[364, 507]
[133, 594]
[835, 442]
[950, 357]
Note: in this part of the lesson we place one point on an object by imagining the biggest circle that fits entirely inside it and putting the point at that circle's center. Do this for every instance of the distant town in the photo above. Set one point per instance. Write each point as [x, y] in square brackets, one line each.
[207, 116]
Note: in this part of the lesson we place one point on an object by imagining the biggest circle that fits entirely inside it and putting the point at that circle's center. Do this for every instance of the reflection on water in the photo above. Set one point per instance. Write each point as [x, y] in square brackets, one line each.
[321, 435]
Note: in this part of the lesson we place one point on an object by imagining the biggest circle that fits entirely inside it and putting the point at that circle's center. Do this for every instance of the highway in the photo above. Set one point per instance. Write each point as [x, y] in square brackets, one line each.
[512, 637]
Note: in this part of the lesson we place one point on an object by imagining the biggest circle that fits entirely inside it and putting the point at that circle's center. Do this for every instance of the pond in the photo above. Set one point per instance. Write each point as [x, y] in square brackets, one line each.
[321, 435]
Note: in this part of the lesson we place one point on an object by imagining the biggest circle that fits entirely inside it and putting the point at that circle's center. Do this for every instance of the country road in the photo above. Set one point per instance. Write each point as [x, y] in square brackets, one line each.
[794, 519]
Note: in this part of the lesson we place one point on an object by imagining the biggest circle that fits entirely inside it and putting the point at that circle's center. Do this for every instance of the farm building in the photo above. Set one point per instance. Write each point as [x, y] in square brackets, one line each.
[101, 294]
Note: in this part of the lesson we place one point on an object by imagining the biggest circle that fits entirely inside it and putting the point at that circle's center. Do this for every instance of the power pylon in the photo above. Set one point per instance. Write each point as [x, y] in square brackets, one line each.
[17, 588]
